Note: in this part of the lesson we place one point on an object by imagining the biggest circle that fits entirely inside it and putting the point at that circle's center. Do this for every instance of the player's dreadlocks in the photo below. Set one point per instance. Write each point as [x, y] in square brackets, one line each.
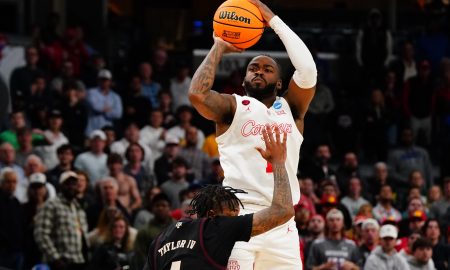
[212, 197]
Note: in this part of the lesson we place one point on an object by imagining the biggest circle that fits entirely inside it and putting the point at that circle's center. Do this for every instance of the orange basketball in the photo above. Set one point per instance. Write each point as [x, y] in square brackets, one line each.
[239, 22]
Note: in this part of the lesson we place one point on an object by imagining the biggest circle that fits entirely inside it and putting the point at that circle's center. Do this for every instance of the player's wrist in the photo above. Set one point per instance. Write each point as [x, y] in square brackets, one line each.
[275, 22]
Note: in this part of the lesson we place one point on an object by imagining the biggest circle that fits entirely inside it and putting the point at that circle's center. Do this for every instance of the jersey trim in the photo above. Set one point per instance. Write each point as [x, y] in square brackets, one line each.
[205, 253]
[155, 252]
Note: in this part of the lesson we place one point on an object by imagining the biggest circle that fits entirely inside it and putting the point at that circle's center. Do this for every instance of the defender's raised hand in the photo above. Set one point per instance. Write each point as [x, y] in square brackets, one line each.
[264, 9]
[275, 152]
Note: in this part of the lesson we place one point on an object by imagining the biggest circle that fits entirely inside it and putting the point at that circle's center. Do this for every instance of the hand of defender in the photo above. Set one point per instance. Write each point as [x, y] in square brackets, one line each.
[264, 9]
[225, 46]
[275, 146]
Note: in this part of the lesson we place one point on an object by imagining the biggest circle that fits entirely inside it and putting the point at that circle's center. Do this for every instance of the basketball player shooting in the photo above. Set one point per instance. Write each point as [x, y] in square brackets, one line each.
[240, 121]
[206, 243]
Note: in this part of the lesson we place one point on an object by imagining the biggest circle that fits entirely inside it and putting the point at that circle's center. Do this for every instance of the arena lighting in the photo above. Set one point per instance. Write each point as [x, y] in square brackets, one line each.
[235, 61]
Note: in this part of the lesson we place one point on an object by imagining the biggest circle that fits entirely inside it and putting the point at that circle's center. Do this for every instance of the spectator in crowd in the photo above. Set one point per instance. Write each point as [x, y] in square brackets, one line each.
[135, 156]
[439, 208]
[318, 168]
[380, 178]
[184, 118]
[406, 251]
[109, 198]
[105, 106]
[7, 159]
[61, 228]
[99, 235]
[84, 197]
[354, 200]
[93, 162]
[307, 191]
[348, 169]
[38, 177]
[385, 257]
[162, 219]
[38, 102]
[150, 88]
[414, 222]
[384, 209]
[418, 100]
[136, 106]
[179, 86]
[115, 252]
[329, 200]
[163, 165]
[65, 157]
[129, 195]
[434, 195]
[441, 250]
[197, 159]
[144, 215]
[421, 255]
[54, 137]
[26, 148]
[217, 175]
[316, 228]
[67, 76]
[132, 135]
[17, 121]
[110, 133]
[22, 78]
[154, 134]
[160, 62]
[302, 216]
[369, 238]
[176, 183]
[333, 250]
[373, 47]
[11, 222]
[408, 158]
[375, 123]
[74, 110]
[365, 211]
[74, 48]
[165, 105]
[416, 180]
[37, 196]
[405, 66]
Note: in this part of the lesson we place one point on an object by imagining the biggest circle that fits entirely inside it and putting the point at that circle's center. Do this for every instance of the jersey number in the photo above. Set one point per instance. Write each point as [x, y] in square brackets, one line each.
[175, 265]
[269, 167]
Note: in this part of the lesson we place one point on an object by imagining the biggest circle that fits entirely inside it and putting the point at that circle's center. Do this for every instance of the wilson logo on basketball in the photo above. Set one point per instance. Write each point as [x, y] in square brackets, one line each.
[251, 128]
[232, 16]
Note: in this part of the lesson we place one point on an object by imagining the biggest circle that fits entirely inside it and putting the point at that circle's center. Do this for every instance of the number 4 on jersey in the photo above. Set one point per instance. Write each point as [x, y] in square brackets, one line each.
[269, 167]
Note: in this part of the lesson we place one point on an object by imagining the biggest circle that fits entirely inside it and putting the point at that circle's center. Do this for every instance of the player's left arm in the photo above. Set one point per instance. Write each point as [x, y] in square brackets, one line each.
[303, 83]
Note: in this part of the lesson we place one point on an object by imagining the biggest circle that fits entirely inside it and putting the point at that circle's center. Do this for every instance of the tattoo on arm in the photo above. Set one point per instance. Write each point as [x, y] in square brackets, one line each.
[203, 78]
[281, 209]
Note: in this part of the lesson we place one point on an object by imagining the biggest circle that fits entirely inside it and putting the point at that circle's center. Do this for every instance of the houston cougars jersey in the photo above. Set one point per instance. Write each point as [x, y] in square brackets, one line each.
[243, 166]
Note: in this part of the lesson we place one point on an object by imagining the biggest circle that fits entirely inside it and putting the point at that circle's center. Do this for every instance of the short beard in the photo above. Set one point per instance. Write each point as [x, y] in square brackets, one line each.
[260, 93]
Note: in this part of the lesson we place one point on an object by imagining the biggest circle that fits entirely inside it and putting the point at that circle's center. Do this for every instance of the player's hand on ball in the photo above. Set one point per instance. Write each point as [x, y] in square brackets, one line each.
[225, 46]
[264, 9]
[275, 145]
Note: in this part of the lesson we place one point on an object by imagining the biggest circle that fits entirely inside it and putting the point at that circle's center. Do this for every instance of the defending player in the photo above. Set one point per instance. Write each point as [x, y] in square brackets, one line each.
[206, 243]
[239, 123]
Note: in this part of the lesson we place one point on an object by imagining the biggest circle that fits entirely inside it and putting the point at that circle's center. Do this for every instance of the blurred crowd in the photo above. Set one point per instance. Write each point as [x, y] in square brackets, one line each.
[95, 163]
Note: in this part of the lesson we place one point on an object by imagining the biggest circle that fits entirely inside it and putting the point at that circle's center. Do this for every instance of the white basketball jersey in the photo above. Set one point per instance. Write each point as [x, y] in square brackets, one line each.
[243, 166]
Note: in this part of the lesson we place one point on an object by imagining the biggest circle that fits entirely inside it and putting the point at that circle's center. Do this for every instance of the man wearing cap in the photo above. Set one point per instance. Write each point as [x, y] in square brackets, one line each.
[385, 257]
[329, 200]
[54, 137]
[93, 162]
[11, 220]
[333, 251]
[61, 227]
[105, 105]
[369, 238]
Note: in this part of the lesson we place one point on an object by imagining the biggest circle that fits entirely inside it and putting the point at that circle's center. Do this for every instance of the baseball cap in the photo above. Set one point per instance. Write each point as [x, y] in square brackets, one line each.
[328, 199]
[171, 140]
[418, 214]
[370, 222]
[97, 134]
[54, 114]
[66, 176]
[335, 213]
[104, 74]
[38, 178]
[388, 230]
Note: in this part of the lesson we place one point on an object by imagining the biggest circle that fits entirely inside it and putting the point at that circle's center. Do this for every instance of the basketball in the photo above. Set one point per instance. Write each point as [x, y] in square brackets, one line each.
[238, 22]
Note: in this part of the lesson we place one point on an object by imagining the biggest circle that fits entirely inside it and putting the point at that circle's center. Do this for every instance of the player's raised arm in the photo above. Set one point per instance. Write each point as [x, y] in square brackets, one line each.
[209, 103]
[281, 209]
[302, 85]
